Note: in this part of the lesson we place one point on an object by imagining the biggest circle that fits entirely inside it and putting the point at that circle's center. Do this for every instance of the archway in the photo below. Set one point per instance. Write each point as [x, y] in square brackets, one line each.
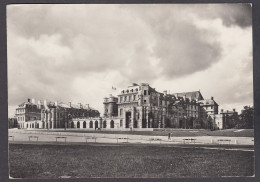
[84, 124]
[78, 124]
[96, 124]
[128, 119]
[112, 124]
[105, 124]
[91, 124]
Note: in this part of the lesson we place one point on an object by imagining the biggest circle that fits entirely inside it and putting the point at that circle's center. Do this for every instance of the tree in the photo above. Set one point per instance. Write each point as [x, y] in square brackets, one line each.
[247, 118]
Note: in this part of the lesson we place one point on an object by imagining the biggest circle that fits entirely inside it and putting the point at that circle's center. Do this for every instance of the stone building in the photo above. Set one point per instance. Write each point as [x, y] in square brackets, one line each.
[27, 113]
[50, 115]
[137, 106]
[141, 106]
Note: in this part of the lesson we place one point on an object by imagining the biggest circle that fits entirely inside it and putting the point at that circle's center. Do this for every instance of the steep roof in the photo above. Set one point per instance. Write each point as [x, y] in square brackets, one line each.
[196, 95]
[208, 102]
[75, 106]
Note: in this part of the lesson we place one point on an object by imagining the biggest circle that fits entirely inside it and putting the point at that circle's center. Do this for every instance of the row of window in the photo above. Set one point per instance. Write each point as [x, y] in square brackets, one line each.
[132, 90]
[128, 98]
[112, 124]
[20, 118]
[192, 107]
[20, 110]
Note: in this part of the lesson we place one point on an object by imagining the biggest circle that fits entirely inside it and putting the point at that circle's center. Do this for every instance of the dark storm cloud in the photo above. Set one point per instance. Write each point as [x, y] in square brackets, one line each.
[230, 14]
[180, 46]
[184, 49]
[50, 47]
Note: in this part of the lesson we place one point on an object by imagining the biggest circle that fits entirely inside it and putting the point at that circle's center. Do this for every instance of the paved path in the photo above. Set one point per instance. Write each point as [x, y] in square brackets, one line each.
[43, 136]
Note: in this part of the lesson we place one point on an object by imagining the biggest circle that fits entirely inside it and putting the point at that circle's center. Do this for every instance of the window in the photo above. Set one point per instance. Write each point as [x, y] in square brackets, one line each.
[130, 97]
[144, 101]
[125, 98]
[134, 97]
[211, 107]
[121, 123]
[120, 99]
[145, 92]
[121, 112]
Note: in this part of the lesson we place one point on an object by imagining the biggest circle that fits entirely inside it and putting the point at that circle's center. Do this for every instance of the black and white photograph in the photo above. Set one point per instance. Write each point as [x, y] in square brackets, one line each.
[130, 91]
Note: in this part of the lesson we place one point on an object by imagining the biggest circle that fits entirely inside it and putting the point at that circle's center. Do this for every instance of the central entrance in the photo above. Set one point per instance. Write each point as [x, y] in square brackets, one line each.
[127, 119]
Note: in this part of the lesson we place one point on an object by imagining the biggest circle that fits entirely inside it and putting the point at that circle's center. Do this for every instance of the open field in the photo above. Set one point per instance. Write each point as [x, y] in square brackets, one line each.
[174, 132]
[84, 161]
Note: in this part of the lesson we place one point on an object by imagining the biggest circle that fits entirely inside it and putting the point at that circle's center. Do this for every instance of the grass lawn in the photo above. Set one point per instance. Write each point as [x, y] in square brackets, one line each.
[175, 132]
[125, 161]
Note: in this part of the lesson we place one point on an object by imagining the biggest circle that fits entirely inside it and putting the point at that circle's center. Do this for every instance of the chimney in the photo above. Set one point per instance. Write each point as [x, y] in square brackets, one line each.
[184, 97]
[165, 92]
[70, 104]
[29, 100]
[56, 103]
[222, 110]
[212, 98]
[33, 100]
[87, 105]
[39, 104]
[80, 105]
[234, 110]
[45, 102]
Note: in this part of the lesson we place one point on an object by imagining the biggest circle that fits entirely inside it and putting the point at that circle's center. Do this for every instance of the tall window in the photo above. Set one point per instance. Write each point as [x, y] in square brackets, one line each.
[145, 92]
[121, 112]
[134, 97]
[130, 97]
[121, 123]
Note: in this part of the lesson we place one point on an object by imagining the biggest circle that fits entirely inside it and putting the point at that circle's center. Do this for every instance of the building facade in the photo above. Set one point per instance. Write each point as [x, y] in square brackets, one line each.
[141, 106]
[51, 115]
[137, 106]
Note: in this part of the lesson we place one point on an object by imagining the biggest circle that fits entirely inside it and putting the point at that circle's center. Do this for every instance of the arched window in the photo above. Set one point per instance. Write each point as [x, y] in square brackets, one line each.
[27, 125]
[78, 124]
[112, 124]
[84, 124]
[105, 124]
[96, 124]
[91, 124]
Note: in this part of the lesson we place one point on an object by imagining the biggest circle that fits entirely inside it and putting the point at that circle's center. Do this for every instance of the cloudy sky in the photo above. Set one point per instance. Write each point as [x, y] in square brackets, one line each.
[78, 52]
